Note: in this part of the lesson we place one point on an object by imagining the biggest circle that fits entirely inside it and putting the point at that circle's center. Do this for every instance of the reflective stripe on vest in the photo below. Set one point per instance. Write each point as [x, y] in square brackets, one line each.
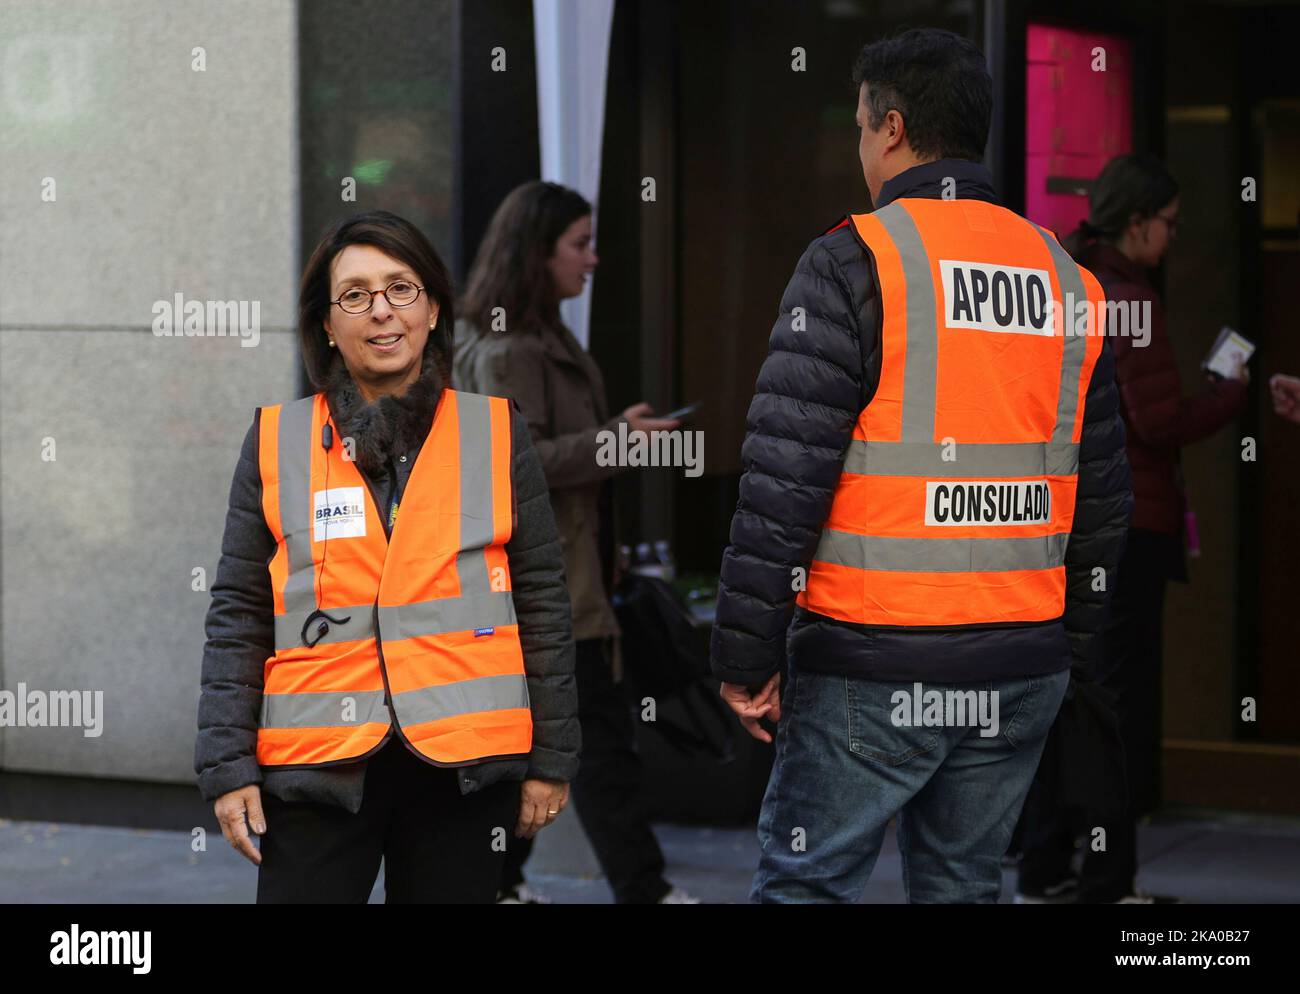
[956, 499]
[423, 617]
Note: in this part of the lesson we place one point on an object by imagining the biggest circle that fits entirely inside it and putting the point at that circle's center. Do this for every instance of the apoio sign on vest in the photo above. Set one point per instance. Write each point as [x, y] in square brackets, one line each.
[997, 298]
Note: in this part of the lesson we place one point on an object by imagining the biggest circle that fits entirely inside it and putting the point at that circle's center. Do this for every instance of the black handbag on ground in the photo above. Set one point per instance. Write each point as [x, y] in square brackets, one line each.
[666, 655]
[662, 650]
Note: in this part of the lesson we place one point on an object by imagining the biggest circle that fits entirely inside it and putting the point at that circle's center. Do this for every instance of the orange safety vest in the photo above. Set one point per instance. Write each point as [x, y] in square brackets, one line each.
[415, 632]
[956, 499]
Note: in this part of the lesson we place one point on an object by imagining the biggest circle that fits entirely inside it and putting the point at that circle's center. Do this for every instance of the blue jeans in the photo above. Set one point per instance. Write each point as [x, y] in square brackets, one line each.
[851, 754]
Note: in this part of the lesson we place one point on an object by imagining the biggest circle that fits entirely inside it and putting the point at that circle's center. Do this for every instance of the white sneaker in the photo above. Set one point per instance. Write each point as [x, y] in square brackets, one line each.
[523, 894]
[1142, 897]
[1062, 892]
[678, 896]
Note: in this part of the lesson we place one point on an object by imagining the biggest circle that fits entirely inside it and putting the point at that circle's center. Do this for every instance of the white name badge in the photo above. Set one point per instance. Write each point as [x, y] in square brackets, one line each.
[339, 513]
[997, 298]
[973, 502]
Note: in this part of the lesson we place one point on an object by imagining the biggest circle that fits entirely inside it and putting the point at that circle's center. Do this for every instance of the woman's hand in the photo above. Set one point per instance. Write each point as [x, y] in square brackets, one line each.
[540, 801]
[231, 809]
[640, 417]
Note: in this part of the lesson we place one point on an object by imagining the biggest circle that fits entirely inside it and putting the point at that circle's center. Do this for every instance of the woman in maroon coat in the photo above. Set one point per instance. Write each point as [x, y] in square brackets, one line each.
[1159, 419]
[1132, 220]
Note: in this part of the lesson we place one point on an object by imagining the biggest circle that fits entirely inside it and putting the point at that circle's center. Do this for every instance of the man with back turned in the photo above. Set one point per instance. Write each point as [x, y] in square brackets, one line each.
[934, 500]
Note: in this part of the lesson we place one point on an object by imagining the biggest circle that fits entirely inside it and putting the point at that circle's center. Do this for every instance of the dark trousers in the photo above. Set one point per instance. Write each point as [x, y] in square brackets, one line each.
[1131, 662]
[607, 789]
[436, 845]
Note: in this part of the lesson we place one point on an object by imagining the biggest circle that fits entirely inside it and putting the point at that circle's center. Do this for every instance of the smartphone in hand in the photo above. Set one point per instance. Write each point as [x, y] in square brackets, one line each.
[682, 413]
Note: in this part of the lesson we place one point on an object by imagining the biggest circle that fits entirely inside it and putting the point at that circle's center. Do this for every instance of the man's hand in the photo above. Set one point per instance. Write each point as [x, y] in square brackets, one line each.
[231, 809]
[753, 706]
[540, 803]
[1286, 396]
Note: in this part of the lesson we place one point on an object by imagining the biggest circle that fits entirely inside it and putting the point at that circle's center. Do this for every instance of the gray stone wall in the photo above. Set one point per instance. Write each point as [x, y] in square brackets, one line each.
[149, 150]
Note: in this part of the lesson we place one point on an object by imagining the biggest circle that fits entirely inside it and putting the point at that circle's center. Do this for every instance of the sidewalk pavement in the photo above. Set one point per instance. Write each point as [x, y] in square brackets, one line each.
[1199, 856]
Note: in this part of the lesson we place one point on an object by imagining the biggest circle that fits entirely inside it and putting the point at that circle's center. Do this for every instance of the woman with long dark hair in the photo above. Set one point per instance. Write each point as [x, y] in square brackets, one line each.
[1132, 221]
[388, 673]
[511, 341]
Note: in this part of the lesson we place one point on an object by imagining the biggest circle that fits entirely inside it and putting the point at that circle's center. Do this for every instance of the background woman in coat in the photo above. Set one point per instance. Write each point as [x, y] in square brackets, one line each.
[1132, 221]
[375, 313]
[511, 341]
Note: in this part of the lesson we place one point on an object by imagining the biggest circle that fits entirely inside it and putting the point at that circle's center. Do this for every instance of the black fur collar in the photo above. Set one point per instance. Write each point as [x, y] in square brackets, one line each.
[390, 424]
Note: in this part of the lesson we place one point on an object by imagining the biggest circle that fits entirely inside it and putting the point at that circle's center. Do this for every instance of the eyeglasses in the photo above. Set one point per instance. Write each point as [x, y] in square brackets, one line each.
[358, 300]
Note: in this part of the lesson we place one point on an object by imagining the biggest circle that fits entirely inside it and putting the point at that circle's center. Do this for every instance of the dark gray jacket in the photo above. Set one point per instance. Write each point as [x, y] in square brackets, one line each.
[810, 391]
[240, 626]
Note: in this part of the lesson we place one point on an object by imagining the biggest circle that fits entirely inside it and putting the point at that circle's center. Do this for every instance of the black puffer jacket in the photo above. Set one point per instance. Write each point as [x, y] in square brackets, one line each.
[240, 622]
[810, 391]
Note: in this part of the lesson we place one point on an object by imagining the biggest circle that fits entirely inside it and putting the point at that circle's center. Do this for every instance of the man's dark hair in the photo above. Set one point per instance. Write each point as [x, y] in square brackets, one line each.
[939, 83]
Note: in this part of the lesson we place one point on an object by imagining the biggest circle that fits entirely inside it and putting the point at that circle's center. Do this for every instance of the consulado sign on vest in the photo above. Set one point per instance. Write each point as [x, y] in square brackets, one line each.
[1022, 502]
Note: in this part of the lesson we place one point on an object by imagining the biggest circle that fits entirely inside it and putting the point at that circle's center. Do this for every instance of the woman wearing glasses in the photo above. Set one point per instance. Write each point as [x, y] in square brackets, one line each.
[388, 672]
[1132, 222]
